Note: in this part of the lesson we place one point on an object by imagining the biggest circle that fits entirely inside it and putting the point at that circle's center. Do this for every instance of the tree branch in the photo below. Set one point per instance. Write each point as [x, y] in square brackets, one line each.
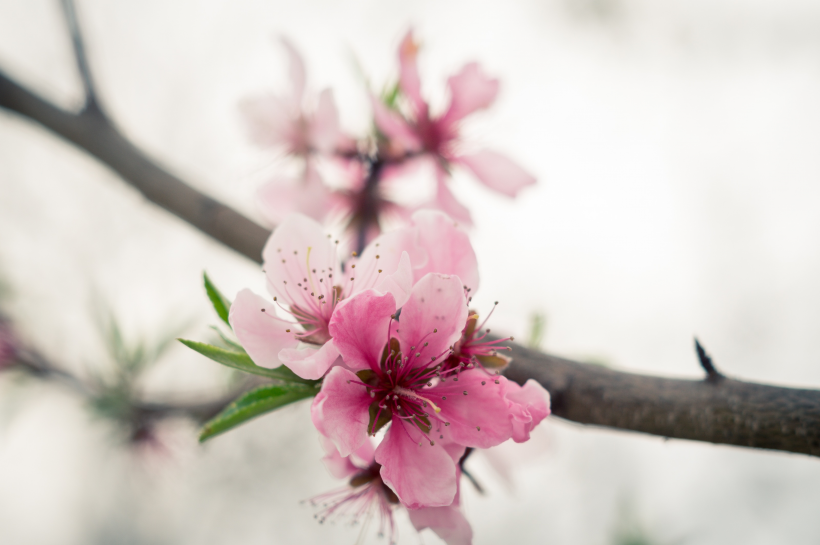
[92, 105]
[718, 411]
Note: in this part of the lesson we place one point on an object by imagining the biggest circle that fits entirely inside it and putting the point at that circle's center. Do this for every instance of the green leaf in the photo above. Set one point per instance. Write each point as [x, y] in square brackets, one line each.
[255, 403]
[242, 361]
[221, 305]
[384, 417]
[231, 344]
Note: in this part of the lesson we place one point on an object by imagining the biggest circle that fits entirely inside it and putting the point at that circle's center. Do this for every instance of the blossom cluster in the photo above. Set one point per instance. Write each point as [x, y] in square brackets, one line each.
[392, 339]
[409, 380]
[409, 137]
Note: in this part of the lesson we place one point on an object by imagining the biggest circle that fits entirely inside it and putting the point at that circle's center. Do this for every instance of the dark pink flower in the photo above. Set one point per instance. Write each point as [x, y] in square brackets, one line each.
[367, 494]
[393, 374]
[437, 136]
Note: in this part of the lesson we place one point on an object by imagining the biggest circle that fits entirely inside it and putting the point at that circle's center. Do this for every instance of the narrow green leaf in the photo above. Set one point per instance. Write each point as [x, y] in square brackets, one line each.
[242, 361]
[255, 403]
[221, 305]
[232, 344]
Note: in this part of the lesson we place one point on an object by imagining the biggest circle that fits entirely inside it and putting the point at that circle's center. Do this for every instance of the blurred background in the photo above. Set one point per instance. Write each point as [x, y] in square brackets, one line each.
[676, 147]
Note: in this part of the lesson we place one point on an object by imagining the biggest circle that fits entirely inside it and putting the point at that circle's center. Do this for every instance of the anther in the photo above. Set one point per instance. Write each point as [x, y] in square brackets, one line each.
[287, 331]
[446, 423]
[512, 338]
[432, 443]
[263, 310]
[483, 383]
[497, 382]
[478, 428]
[465, 392]
[380, 270]
[444, 398]
[354, 254]
[435, 330]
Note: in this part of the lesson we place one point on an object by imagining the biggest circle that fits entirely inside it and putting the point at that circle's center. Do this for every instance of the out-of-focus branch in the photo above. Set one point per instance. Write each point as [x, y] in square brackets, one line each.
[141, 412]
[92, 105]
[718, 410]
[92, 132]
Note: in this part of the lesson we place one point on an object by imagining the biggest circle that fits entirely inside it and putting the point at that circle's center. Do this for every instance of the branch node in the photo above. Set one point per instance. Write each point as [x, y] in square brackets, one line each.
[91, 107]
[712, 374]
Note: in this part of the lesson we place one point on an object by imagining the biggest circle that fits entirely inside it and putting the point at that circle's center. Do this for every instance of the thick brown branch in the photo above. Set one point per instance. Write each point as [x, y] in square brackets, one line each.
[92, 132]
[728, 411]
[720, 411]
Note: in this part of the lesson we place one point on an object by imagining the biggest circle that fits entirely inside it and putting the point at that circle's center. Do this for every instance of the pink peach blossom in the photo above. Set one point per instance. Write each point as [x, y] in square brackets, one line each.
[393, 373]
[367, 493]
[437, 136]
[306, 281]
[530, 405]
[289, 121]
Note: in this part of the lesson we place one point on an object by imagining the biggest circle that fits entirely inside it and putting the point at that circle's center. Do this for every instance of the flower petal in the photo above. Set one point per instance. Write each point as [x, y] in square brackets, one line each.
[448, 523]
[261, 333]
[447, 247]
[310, 363]
[281, 197]
[497, 172]
[421, 474]
[446, 201]
[479, 418]
[470, 90]
[296, 248]
[433, 317]
[399, 283]
[530, 405]
[359, 328]
[269, 119]
[394, 127]
[409, 74]
[324, 127]
[341, 410]
[339, 466]
[296, 71]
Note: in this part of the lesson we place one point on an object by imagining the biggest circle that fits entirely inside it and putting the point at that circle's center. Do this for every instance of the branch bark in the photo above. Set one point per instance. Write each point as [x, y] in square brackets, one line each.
[718, 410]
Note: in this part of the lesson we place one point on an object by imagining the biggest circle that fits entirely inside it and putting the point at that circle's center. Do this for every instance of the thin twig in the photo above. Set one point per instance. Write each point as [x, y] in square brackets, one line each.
[712, 374]
[92, 105]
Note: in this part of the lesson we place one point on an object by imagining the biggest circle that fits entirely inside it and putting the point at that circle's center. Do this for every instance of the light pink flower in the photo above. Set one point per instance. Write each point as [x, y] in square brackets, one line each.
[289, 121]
[367, 493]
[437, 137]
[305, 279]
[283, 196]
[435, 243]
[393, 374]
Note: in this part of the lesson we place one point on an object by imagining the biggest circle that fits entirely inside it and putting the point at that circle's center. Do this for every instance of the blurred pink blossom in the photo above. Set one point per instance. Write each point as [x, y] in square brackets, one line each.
[437, 136]
[367, 492]
[9, 345]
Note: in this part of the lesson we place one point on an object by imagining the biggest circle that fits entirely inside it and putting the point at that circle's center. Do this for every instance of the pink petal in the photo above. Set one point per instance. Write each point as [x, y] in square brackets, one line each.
[409, 74]
[437, 303]
[286, 269]
[339, 466]
[399, 283]
[447, 246]
[530, 405]
[448, 523]
[310, 363]
[359, 328]
[481, 417]
[394, 127]
[497, 172]
[282, 196]
[270, 120]
[446, 201]
[421, 474]
[470, 90]
[341, 410]
[324, 127]
[261, 334]
[297, 71]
